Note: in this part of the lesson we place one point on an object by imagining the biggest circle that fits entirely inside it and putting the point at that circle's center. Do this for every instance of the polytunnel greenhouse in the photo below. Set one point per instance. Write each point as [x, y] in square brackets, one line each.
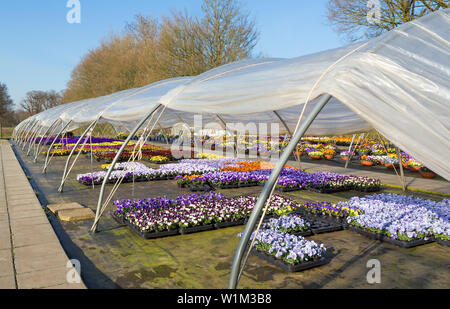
[396, 85]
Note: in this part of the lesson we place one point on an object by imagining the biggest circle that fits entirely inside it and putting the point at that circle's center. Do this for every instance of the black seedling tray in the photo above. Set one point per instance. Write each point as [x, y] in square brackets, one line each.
[286, 266]
[195, 188]
[443, 242]
[119, 220]
[384, 238]
[288, 189]
[326, 229]
[326, 190]
[243, 185]
[302, 233]
[229, 186]
[367, 189]
[151, 235]
[195, 229]
[221, 225]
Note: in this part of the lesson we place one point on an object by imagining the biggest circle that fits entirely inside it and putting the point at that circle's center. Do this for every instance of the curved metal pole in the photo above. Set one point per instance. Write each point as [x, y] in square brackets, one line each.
[349, 151]
[27, 133]
[51, 147]
[32, 141]
[33, 138]
[30, 135]
[40, 142]
[116, 158]
[21, 130]
[233, 281]
[63, 179]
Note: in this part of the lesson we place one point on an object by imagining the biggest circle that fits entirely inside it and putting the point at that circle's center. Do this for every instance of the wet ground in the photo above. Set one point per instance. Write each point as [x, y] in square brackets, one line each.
[115, 257]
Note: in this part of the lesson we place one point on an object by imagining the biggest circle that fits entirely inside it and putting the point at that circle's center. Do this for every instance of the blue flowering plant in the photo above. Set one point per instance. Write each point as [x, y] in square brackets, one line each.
[288, 224]
[401, 217]
[287, 247]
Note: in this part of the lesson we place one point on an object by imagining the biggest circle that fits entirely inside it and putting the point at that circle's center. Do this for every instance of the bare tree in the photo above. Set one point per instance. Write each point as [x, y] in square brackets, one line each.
[6, 105]
[350, 17]
[152, 49]
[38, 101]
[228, 32]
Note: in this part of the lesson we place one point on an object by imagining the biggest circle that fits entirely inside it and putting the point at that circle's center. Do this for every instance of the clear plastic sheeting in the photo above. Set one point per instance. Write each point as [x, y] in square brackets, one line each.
[397, 83]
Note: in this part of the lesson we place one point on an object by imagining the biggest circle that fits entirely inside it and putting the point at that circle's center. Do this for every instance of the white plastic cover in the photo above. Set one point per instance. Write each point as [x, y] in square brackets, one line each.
[397, 83]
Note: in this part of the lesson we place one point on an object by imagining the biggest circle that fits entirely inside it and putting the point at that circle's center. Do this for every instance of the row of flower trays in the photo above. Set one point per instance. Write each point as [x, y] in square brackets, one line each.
[161, 217]
[204, 174]
[401, 220]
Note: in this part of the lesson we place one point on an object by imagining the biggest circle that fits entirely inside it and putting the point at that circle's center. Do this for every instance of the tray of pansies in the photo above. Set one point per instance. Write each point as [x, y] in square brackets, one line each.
[402, 220]
[149, 218]
[145, 234]
[289, 252]
[293, 224]
[378, 235]
[330, 212]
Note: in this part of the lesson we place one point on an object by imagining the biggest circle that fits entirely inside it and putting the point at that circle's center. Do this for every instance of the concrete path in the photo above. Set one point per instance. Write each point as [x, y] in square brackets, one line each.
[31, 255]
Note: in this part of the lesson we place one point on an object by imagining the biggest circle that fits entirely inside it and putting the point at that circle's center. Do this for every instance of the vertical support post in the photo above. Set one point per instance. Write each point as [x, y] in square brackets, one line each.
[349, 151]
[63, 179]
[233, 281]
[297, 157]
[116, 158]
[51, 146]
[402, 174]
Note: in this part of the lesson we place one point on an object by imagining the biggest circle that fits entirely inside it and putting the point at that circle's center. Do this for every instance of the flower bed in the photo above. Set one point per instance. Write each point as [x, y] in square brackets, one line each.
[141, 172]
[402, 220]
[219, 173]
[156, 215]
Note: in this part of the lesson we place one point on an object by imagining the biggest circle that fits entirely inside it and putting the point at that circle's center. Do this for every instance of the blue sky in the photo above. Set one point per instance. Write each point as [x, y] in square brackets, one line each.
[40, 48]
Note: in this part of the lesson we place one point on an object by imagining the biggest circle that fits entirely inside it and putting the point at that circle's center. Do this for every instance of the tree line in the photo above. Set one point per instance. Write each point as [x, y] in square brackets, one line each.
[151, 48]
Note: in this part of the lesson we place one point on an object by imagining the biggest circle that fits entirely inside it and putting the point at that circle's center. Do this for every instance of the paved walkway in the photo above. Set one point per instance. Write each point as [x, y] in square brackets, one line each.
[31, 255]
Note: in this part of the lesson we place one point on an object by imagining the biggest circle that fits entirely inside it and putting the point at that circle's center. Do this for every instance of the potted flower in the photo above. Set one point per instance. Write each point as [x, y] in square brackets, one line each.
[367, 160]
[329, 153]
[315, 155]
[344, 154]
[413, 165]
[390, 163]
[426, 173]
[363, 151]
[300, 149]
[159, 159]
